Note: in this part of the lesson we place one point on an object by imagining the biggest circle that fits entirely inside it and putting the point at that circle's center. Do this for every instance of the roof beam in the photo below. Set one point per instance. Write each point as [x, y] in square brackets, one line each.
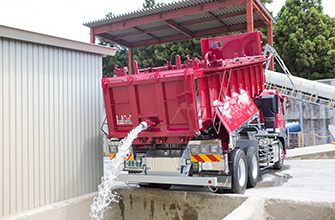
[213, 18]
[181, 37]
[223, 30]
[261, 13]
[184, 24]
[142, 32]
[174, 38]
[240, 27]
[217, 18]
[168, 15]
[146, 33]
[120, 42]
[177, 27]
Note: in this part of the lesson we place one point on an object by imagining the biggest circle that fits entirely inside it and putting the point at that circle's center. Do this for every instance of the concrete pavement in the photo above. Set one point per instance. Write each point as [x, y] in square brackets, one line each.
[300, 179]
[312, 152]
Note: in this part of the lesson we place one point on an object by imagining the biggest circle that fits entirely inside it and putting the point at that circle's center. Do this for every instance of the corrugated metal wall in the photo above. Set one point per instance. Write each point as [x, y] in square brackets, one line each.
[50, 109]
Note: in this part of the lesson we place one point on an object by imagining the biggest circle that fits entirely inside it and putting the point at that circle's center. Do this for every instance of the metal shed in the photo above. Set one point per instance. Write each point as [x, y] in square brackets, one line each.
[51, 111]
[182, 20]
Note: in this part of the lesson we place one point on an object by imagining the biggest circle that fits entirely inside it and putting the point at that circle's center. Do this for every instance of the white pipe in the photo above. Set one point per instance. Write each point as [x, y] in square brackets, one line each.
[300, 84]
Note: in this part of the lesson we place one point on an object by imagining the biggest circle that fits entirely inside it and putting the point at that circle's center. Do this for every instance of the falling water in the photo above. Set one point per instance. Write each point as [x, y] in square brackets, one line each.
[106, 196]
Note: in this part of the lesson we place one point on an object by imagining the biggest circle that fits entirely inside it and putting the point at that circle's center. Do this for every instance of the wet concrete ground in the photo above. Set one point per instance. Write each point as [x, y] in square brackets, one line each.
[273, 178]
[308, 173]
[300, 179]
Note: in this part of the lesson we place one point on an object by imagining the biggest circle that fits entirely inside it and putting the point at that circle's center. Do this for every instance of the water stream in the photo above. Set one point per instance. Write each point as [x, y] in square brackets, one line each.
[106, 196]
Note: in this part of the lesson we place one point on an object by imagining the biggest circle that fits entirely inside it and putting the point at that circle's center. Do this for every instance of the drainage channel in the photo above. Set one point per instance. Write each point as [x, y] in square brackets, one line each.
[139, 203]
[142, 203]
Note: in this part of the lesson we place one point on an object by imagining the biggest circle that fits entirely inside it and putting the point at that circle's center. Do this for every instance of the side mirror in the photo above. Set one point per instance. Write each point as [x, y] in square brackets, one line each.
[288, 106]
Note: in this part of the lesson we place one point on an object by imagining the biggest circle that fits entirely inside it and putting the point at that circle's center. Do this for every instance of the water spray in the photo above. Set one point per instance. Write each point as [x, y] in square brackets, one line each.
[115, 166]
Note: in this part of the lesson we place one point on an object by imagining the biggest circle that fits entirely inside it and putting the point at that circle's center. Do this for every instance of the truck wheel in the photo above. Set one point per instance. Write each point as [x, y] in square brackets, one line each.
[253, 167]
[239, 171]
[279, 164]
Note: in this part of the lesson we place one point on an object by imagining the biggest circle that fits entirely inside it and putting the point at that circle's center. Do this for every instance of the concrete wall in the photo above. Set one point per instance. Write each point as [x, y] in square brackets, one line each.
[167, 204]
[51, 112]
[315, 120]
[77, 208]
[144, 204]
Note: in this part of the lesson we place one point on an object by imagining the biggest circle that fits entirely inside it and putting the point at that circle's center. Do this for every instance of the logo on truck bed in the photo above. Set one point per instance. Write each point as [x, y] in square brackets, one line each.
[123, 120]
[217, 44]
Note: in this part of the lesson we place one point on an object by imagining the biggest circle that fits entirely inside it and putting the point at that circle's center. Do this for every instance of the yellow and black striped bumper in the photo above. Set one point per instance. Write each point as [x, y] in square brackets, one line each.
[205, 158]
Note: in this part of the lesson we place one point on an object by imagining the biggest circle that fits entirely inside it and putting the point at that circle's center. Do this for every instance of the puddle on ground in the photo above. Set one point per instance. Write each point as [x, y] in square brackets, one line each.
[273, 178]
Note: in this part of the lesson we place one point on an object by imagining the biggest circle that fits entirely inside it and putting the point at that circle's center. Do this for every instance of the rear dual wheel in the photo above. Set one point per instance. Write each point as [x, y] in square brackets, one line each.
[244, 169]
[239, 172]
[253, 167]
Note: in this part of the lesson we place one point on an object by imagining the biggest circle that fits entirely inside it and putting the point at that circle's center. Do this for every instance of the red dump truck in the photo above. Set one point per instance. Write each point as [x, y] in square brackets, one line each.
[214, 124]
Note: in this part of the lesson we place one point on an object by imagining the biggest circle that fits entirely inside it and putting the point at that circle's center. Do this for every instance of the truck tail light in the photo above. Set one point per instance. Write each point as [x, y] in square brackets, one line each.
[215, 149]
[204, 149]
[112, 149]
[113, 146]
[194, 149]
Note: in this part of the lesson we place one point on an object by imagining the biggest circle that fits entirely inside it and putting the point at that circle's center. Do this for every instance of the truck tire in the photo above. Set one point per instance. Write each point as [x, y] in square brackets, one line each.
[239, 172]
[253, 167]
[279, 164]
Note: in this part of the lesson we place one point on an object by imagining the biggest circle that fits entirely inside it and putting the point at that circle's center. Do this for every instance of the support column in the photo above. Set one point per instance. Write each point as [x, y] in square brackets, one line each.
[301, 118]
[332, 82]
[250, 16]
[130, 61]
[92, 36]
[270, 42]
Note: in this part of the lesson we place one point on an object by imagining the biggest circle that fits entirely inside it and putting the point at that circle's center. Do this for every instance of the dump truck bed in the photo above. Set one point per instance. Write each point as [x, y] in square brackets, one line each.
[182, 99]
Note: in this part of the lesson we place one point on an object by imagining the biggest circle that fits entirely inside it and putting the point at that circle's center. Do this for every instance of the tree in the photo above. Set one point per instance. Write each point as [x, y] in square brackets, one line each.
[152, 3]
[120, 59]
[158, 55]
[305, 39]
[267, 1]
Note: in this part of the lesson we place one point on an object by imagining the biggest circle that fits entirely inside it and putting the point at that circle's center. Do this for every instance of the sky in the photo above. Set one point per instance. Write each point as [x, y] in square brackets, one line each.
[65, 18]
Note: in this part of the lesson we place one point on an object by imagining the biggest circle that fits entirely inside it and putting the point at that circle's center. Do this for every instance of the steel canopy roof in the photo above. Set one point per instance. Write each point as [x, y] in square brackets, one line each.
[179, 21]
